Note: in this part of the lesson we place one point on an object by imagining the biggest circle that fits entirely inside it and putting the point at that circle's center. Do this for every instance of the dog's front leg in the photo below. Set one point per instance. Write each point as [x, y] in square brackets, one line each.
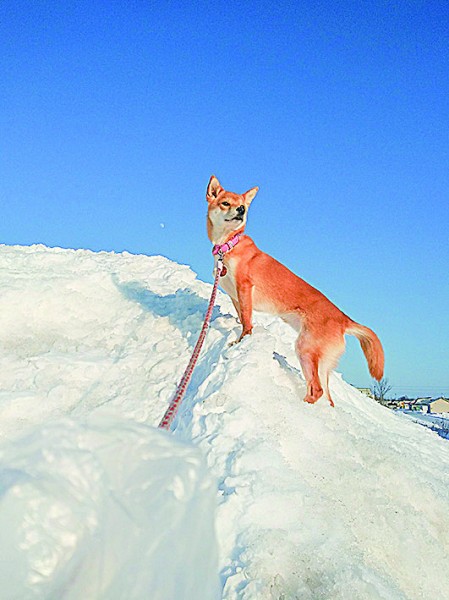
[245, 298]
[237, 308]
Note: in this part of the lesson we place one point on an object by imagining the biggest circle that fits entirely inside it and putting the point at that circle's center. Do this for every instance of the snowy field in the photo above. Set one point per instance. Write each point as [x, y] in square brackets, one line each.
[256, 495]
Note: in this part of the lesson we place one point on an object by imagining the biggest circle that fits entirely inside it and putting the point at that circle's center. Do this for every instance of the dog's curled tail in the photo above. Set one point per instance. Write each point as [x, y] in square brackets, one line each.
[371, 346]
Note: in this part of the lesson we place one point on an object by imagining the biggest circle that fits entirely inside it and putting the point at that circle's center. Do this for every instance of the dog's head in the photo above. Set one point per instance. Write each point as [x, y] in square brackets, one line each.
[227, 211]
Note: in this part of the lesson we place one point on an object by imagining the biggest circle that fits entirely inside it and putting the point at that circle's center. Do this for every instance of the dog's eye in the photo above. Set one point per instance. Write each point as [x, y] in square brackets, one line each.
[225, 204]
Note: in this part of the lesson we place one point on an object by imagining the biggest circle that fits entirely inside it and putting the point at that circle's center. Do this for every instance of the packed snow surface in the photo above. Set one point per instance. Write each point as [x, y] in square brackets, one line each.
[311, 502]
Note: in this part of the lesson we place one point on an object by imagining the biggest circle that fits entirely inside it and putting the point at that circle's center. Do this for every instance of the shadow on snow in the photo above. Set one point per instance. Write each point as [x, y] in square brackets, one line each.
[184, 309]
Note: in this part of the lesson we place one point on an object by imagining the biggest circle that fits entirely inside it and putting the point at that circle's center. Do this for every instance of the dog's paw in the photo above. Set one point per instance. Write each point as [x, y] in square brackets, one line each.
[244, 333]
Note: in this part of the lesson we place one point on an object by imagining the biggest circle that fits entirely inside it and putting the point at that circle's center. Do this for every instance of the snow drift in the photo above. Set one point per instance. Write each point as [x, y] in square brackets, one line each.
[106, 510]
[312, 502]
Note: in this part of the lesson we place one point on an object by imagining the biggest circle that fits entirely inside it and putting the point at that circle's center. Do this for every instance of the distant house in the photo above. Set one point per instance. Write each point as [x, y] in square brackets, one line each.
[433, 405]
[366, 391]
[406, 403]
[439, 405]
[422, 404]
[392, 403]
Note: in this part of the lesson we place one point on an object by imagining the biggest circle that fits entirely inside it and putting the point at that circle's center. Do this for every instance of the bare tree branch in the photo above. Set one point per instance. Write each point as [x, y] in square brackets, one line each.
[380, 389]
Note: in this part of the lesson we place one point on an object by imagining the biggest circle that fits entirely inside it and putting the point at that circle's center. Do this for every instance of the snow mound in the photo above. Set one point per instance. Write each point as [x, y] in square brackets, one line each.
[106, 510]
[312, 502]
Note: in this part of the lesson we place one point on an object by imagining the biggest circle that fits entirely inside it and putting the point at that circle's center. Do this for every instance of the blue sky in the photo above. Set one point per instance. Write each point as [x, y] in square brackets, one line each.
[114, 115]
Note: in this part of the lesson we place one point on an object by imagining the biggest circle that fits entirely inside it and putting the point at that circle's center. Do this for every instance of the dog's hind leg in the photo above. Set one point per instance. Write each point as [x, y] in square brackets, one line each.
[309, 358]
[318, 357]
[327, 364]
[323, 374]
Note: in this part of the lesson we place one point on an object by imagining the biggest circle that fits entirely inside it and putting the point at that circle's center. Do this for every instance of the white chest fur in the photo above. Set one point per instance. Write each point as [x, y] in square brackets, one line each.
[227, 282]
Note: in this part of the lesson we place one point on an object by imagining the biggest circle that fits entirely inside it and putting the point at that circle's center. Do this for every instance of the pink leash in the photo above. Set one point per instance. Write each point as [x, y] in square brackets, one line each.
[175, 403]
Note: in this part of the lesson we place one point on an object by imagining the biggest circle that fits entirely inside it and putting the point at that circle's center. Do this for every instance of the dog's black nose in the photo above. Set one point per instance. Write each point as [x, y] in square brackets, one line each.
[241, 210]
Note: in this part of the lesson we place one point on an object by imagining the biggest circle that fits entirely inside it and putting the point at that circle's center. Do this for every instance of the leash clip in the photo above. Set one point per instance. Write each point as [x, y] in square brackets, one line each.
[220, 266]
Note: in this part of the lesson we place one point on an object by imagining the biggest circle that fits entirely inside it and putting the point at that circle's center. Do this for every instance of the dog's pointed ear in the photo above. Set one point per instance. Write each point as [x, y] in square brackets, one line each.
[250, 194]
[213, 189]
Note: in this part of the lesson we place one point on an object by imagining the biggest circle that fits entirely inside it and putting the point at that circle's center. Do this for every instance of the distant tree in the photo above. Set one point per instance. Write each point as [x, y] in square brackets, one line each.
[380, 389]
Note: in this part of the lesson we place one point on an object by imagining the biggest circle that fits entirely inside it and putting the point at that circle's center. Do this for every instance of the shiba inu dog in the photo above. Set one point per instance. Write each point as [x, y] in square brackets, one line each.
[255, 280]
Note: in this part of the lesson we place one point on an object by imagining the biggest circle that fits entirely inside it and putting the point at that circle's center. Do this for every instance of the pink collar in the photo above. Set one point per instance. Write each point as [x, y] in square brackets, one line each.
[227, 246]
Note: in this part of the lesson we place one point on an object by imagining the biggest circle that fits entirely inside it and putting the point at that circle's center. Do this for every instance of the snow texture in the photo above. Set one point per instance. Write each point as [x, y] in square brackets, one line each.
[101, 510]
[311, 502]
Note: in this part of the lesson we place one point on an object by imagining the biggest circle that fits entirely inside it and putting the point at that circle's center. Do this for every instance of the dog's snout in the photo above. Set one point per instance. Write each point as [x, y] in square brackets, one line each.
[241, 210]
